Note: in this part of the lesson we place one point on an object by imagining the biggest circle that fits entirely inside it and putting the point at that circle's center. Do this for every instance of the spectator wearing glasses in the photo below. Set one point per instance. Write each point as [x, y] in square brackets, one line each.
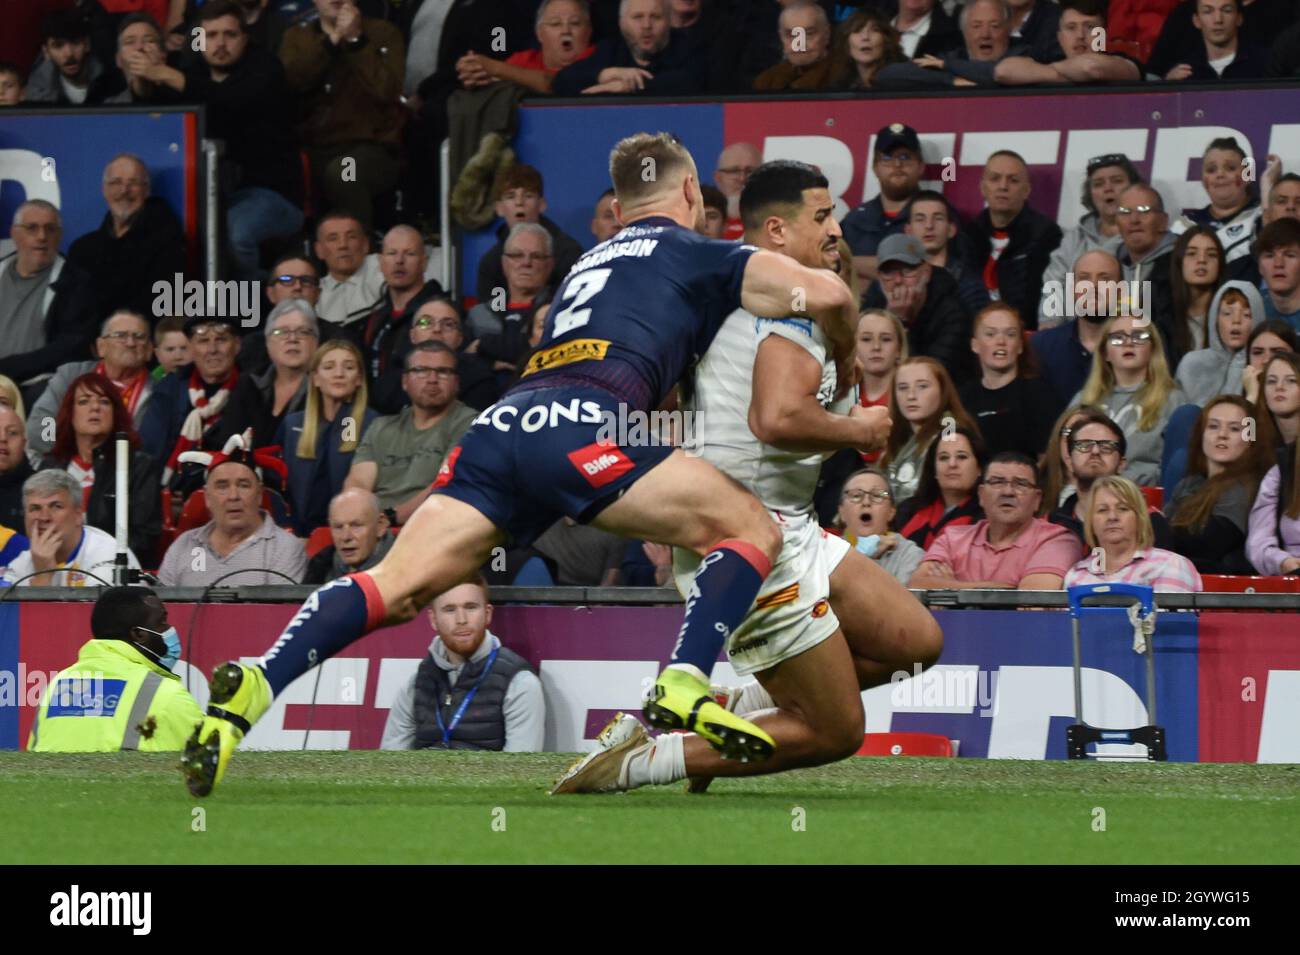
[1120, 534]
[499, 326]
[319, 442]
[1105, 178]
[1095, 449]
[1210, 508]
[1010, 548]
[924, 298]
[91, 414]
[1130, 381]
[865, 516]
[123, 350]
[138, 243]
[399, 455]
[735, 163]
[441, 320]
[946, 495]
[898, 167]
[1269, 339]
[290, 277]
[262, 400]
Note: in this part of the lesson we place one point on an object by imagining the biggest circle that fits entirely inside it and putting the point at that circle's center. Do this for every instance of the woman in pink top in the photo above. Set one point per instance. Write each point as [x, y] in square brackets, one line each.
[1118, 529]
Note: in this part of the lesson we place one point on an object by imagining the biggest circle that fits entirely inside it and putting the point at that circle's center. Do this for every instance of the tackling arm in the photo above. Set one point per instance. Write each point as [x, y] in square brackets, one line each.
[776, 286]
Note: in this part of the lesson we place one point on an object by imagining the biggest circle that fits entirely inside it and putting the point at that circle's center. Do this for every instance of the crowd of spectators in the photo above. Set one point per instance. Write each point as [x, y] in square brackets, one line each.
[1039, 436]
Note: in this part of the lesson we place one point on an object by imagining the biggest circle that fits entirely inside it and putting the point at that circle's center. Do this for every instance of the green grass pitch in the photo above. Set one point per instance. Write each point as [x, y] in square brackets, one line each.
[437, 807]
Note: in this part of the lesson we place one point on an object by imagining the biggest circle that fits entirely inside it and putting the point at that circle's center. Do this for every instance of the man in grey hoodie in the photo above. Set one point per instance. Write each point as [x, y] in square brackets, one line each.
[1237, 307]
[68, 74]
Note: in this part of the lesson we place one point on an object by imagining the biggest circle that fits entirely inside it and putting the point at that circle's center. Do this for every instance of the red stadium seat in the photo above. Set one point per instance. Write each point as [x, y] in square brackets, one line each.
[905, 744]
[1245, 584]
[1155, 497]
[320, 539]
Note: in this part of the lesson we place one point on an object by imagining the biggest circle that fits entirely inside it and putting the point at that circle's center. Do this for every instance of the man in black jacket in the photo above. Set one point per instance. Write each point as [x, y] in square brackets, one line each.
[1218, 51]
[140, 242]
[648, 58]
[14, 469]
[1009, 243]
[47, 305]
[249, 106]
[926, 299]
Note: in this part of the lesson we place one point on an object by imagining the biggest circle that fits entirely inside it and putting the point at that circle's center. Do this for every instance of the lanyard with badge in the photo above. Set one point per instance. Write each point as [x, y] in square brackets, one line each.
[464, 704]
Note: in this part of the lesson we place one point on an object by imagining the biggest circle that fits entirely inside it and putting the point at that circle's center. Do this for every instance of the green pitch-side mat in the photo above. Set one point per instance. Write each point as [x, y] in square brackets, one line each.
[438, 807]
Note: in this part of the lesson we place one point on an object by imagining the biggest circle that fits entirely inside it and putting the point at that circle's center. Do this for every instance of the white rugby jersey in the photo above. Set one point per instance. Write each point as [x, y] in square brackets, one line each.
[719, 424]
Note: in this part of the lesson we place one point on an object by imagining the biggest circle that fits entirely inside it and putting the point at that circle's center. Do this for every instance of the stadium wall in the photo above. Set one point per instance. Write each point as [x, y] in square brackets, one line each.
[1228, 684]
[1164, 132]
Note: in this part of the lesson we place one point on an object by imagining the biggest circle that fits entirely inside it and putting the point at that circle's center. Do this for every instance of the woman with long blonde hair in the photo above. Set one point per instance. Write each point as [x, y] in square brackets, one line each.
[1130, 381]
[319, 441]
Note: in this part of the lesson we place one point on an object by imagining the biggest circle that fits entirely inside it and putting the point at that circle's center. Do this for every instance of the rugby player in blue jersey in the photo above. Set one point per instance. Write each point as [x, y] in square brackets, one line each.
[625, 325]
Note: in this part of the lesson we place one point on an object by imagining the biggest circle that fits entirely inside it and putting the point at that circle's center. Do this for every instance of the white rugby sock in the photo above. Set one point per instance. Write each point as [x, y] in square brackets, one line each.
[663, 762]
[753, 698]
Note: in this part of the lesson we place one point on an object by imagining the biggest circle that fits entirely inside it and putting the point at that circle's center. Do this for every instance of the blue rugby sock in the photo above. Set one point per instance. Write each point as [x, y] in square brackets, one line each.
[334, 616]
[721, 594]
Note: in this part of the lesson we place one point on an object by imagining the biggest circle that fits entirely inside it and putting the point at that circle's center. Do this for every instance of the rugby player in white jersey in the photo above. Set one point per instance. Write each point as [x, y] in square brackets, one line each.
[828, 621]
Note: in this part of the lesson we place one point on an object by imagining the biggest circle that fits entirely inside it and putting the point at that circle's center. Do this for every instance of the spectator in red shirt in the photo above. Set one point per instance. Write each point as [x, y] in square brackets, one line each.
[563, 37]
[1010, 549]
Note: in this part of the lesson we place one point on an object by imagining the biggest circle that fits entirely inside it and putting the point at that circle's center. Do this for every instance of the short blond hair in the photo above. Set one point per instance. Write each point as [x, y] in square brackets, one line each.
[644, 164]
[1126, 492]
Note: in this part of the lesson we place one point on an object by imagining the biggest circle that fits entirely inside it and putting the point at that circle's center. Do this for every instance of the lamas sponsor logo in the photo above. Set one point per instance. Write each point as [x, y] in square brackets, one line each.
[77, 908]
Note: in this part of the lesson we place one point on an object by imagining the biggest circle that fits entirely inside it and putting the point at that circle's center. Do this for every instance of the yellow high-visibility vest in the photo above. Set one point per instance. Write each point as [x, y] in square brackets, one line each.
[114, 698]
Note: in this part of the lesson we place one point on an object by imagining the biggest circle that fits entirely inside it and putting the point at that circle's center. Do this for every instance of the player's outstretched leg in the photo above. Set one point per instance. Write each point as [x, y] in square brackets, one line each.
[818, 720]
[446, 541]
[688, 503]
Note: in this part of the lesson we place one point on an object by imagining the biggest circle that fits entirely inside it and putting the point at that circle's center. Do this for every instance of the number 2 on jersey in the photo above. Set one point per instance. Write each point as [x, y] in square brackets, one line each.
[582, 288]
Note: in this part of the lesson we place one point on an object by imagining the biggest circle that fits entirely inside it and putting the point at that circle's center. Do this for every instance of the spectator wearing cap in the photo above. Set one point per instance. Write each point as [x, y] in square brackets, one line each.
[187, 405]
[520, 199]
[48, 303]
[500, 326]
[925, 28]
[986, 32]
[1010, 548]
[90, 416]
[399, 455]
[244, 90]
[123, 350]
[926, 299]
[241, 545]
[69, 74]
[441, 320]
[1105, 180]
[348, 71]
[1072, 56]
[263, 399]
[140, 51]
[138, 243]
[898, 166]
[385, 339]
[1218, 50]
[646, 57]
[359, 535]
[1010, 242]
[931, 218]
[806, 47]
[353, 283]
[61, 542]
[735, 163]
[563, 32]
[469, 692]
